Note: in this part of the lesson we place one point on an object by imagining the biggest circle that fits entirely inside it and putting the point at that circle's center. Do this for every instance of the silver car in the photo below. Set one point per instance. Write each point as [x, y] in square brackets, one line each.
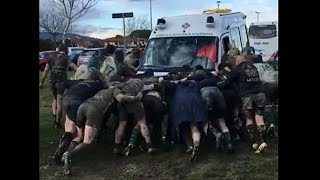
[87, 54]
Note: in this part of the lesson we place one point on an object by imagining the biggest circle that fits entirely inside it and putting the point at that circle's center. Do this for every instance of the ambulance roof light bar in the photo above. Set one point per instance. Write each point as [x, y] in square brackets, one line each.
[161, 23]
[210, 21]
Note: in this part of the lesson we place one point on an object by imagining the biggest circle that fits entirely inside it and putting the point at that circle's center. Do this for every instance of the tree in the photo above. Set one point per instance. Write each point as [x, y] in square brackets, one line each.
[140, 33]
[97, 44]
[72, 10]
[137, 23]
[47, 44]
[218, 11]
[52, 22]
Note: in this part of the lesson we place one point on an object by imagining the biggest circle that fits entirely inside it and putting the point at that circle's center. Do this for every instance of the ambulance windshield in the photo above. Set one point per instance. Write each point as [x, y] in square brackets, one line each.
[173, 52]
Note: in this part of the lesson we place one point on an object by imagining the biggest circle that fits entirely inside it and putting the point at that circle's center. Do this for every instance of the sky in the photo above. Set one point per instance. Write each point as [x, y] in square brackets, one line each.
[99, 23]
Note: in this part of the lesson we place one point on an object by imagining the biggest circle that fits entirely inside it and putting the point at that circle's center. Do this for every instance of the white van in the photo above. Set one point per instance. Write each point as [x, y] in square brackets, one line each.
[263, 37]
[197, 39]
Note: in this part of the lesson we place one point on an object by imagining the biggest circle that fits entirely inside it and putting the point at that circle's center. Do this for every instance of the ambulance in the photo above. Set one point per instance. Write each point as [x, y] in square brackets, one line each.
[196, 39]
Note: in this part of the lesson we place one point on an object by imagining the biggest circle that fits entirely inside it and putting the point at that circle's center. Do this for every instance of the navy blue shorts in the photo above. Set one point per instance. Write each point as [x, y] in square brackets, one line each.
[70, 107]
[187, 107]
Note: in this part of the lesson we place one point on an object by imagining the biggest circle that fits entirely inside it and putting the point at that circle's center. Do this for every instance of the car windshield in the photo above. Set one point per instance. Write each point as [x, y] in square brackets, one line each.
[72, 55]
[88, 53]
[262, 31]
[42, 54]
[174, 52]
[76, 50]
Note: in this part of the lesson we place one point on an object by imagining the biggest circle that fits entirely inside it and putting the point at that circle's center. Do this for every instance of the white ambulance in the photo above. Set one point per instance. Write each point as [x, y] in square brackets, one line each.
[197, 39]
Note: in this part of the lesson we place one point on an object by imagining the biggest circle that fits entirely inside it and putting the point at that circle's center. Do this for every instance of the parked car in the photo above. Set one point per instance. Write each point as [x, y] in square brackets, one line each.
[74, 57]
[75, 50]
[125, 51]
[88, 54]
[44, 58]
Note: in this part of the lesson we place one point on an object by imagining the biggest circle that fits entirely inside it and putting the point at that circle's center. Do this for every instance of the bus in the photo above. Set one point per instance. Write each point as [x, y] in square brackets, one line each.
[263, 37]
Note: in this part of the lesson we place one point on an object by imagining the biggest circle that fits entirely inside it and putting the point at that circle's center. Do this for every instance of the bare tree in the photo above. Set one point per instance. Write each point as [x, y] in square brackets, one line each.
[137, 23]
[52, 22]
[74, 28]
[72, 10]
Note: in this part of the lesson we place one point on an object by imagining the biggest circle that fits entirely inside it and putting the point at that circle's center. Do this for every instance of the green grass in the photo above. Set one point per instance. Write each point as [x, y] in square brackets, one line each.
[48, 134]
[174, 164]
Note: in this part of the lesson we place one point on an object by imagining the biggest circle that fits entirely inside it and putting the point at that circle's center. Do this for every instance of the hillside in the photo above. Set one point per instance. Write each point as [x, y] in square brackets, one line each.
[46, 35]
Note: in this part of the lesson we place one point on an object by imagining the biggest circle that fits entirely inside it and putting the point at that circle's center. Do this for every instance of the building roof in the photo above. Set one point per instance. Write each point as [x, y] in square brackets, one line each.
[113, 39]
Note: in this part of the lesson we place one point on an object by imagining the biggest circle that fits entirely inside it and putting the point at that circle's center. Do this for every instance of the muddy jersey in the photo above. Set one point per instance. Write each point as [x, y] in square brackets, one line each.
[132, 87]
[247, 77]
[104, 98]
[197, 75]
[108, 68]
[125, 70]
[58, 66]
[150, 80]
[130, 60]
[85, 89]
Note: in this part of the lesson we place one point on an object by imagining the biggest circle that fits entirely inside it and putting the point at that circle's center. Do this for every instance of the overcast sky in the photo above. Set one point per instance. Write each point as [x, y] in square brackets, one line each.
[99, 22]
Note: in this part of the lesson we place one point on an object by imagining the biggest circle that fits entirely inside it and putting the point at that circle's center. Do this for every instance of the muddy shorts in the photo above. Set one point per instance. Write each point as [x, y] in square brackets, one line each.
[136, 109]
[154, 108]
[154, 103]
[57, 88]
[215, 102]
[70, 107]
[91, 115]
[254, 100]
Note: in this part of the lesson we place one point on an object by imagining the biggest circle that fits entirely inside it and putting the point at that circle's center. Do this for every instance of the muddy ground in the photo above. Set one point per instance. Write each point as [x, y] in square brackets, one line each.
[168, 163]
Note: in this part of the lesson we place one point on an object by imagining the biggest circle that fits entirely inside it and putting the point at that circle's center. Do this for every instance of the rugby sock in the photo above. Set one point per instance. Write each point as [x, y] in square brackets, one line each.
[196, 145]
[117, 146]
[195, 150]
[134, 135]
[164, 126]
[252, 130]
[149, 145]
[72, 145]
[227, 137]
[214, 131]
[227, 140]
[65, 141]
[186, 136]
[261, 132]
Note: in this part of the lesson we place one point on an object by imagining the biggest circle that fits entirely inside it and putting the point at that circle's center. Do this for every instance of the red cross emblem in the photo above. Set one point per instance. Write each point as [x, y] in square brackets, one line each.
[185, 25]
